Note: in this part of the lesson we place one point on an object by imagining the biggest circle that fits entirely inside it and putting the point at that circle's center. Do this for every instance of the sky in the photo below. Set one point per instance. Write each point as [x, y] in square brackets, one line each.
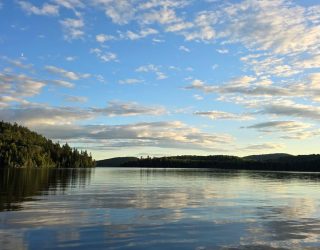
[164, 77]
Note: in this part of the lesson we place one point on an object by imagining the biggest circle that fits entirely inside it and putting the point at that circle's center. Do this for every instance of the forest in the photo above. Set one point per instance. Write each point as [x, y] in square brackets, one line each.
[22, 148]
[278, 162]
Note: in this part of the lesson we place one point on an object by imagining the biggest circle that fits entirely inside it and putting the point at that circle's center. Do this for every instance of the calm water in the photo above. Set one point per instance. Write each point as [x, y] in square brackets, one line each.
[158, 209]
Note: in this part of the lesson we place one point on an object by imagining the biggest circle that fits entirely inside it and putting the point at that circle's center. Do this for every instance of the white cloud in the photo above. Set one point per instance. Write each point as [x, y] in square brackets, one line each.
[104, 56]
[66, 74]
[63, 83]
[116, 108]
[38, 114]
[120, 12]
[214, 66]
[152, 68]
[309, 63]
[282, 126]
[292, 109]
[291, 130]
[101, 38]
[264, 146]
[162, 16]
[70, 4]
[198, 97]
[80, 99]
[142, 34]
[130, 81]
[70, 58]
[180, 26]
[173, 134]
[223, 51]
[185, 49]
[221, 115]
[73, 28]
[45, 10]
[244, 86]
[19, 86]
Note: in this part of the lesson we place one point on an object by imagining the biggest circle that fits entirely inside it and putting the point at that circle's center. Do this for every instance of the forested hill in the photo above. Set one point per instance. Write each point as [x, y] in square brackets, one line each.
[275, 162]
[115, 162]
[20, 147]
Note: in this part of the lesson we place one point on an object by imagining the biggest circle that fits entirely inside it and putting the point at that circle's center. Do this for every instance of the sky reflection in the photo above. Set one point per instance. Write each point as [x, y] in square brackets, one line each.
[136, 209]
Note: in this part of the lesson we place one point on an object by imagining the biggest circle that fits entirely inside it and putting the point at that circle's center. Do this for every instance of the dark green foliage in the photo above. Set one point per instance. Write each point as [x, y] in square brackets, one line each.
[306, 163]
[20, 147]
[266, 157]
[115, 162]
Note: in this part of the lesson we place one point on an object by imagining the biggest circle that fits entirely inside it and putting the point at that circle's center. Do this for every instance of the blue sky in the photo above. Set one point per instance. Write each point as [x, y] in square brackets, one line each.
[164, 77]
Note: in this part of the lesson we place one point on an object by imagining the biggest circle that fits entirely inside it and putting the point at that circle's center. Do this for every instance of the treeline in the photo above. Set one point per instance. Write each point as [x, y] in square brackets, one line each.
[305, 163]
[20, 147]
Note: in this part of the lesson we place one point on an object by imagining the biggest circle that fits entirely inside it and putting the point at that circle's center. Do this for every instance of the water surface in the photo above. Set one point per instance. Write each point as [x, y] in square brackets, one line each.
[108, 208]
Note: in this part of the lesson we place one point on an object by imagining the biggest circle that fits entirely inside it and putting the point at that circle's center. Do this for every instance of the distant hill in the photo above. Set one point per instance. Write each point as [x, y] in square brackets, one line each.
[115, 162]
[271, 162]
[20, 147]
[266, 157]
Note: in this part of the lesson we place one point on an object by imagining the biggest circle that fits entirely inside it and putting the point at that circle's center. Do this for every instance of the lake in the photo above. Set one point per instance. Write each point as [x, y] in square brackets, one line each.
[109, 208]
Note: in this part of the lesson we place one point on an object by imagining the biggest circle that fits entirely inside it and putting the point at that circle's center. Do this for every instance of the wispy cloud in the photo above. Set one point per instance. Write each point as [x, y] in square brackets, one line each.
[183, 48]
[104, 56]
[221, 115]
[73, 28]
[152, 68]
[65, 73]
[154, 134]
[131, 81]
[45, 10]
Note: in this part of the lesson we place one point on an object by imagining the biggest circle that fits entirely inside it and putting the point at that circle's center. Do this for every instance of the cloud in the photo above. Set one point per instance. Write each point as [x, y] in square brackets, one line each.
[214, 66]
[220, 115]
[223, 51]
[45, 10]
[198, 97]
[180, 26]
[244, 85]
[173, 134]
[291, 109]
[265, 65]
[282, 126]
[287, 29]
[141, 34]
[116, 108]
[130, 81]
[70, 58]
[18, 63]
[104, 56]
[73, 28]
[63, 83]
[185, 49]
[80, 99]
[65, 74]
[19, 86]
[120, 12]
[152, 68]
[101, 38]
[162, 16]
[291, 130]
[264, 146]
[163, 3]
[33, 115]
[309, 63]
[70, 4]
[37, 114]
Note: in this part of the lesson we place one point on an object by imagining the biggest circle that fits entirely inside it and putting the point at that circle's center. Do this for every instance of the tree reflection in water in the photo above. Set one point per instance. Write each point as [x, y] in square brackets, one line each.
[19, 185]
